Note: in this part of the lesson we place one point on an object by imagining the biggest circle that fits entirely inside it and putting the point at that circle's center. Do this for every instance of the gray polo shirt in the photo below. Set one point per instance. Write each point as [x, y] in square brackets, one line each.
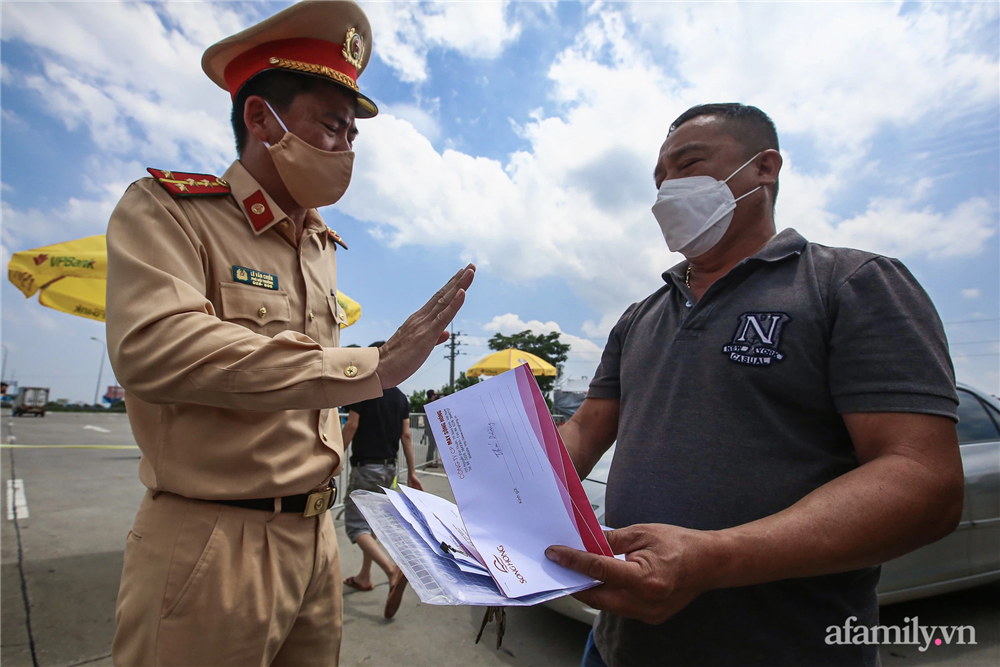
[731, 411]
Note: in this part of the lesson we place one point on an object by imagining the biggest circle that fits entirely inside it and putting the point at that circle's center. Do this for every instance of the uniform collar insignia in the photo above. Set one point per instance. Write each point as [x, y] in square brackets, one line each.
[258, 211]
[335, 237]
[257, 206]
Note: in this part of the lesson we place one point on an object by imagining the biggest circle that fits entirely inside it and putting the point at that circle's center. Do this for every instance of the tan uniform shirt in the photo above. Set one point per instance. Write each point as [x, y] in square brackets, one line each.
[231, 388]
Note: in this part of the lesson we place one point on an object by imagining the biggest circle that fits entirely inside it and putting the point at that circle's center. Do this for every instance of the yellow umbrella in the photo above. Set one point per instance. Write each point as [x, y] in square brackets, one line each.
[71, 277]
[351, 307]
[505, 360]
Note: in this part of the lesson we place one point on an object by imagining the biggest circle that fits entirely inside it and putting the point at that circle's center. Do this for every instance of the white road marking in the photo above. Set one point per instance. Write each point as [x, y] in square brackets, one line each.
[88, 427]
[16, 499]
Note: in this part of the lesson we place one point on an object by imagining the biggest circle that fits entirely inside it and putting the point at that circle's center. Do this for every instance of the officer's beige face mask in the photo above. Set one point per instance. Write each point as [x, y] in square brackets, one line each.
[314, 177]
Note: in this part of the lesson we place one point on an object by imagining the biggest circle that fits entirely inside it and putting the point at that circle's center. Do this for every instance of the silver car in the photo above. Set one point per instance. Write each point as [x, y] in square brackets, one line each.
[968, 557]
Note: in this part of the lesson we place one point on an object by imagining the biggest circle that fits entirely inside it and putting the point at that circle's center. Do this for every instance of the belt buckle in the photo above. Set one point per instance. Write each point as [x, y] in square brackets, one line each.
[321, 501]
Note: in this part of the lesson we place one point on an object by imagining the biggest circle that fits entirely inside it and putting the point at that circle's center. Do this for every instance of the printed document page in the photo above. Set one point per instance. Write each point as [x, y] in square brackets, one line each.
[435, 579]
[511, 501]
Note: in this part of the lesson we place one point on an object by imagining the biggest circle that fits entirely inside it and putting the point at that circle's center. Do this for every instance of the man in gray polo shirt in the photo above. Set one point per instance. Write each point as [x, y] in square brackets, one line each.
[785, 416]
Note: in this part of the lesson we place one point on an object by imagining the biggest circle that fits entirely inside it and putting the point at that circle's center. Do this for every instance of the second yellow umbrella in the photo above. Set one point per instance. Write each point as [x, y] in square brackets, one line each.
[505, 360]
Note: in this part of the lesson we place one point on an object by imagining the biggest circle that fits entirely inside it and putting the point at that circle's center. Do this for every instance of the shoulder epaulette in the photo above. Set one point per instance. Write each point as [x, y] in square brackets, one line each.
[190, 185]
[335, 237]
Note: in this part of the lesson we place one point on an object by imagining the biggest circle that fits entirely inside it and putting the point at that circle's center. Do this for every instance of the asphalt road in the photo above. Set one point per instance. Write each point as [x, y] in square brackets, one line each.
[62, 557]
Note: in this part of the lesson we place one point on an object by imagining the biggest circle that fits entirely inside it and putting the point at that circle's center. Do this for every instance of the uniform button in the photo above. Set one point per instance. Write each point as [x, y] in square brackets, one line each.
[311, 316]
[351, 371]
[262, 312]
[324, 436]
[688, 304]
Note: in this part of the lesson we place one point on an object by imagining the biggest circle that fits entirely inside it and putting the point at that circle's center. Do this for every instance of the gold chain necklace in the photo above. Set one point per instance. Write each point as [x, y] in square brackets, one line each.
[687, 277]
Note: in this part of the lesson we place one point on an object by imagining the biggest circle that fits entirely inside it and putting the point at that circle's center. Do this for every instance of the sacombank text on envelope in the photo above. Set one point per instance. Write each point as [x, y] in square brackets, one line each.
[514, 484]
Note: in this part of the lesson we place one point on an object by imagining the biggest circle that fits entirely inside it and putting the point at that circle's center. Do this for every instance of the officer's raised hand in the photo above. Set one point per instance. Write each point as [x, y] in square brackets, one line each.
[413, 342]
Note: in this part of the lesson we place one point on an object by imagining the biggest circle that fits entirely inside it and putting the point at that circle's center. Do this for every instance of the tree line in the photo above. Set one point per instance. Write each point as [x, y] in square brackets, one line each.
[547, 346]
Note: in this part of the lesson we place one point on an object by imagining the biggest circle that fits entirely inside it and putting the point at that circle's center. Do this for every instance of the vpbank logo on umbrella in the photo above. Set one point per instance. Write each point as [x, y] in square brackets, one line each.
[71, 277]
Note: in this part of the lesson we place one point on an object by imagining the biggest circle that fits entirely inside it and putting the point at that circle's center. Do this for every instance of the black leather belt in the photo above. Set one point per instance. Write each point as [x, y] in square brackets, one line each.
[370, 462]
[307, 504]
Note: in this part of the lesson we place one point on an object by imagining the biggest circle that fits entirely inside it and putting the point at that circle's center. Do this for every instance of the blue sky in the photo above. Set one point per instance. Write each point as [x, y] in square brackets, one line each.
[522, 136]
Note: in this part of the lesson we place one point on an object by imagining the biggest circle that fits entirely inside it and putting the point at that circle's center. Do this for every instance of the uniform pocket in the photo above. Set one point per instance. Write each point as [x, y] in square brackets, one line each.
[192, 556]
[339, 313]
[266, 312]
[337, 320]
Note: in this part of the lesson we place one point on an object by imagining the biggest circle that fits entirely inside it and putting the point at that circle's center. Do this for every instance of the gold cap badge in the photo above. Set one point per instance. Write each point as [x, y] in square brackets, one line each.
[354, 48]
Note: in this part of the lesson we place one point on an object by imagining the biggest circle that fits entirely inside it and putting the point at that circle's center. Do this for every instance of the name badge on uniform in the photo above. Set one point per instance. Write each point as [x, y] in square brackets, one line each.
[254, 277]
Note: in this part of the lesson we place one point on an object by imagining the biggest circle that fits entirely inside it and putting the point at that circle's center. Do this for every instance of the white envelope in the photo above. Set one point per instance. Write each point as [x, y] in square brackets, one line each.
[516, 491]
[513, 482]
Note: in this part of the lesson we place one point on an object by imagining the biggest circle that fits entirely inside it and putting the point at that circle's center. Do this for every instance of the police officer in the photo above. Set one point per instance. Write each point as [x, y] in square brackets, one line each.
[223, 327]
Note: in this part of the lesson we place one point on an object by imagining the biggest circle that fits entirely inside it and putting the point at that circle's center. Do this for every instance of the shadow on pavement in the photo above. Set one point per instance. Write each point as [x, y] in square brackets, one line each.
[72, 604]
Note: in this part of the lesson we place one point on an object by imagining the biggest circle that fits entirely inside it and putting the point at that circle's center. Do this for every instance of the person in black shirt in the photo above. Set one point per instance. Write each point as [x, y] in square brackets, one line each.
[373, 430]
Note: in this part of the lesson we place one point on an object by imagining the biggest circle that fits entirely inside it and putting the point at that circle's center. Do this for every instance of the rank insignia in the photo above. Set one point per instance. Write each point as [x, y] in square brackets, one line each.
[255, 278]
[257, 209]
[190, 185]
[335, 237]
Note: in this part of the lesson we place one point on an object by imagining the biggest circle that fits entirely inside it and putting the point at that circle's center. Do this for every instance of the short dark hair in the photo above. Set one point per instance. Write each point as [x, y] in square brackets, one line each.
[750, 126]
[431, 392]
[378, 343]
[278, 87]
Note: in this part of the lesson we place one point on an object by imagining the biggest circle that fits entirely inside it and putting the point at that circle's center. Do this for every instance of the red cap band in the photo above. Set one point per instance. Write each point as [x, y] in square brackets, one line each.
[313, 56]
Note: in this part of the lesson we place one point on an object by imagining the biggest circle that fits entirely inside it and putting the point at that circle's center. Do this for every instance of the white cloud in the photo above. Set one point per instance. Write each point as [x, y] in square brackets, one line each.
[581, 349]
[77, 217]
[889, 227]
[576, 202]
[134, 83]
[971, 293]
[11, 119]
[839, 71]
[404, 33]
[423, 121]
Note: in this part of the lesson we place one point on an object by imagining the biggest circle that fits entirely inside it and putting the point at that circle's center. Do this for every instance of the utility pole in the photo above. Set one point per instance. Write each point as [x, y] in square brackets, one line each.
[453, 345]
[100, 371]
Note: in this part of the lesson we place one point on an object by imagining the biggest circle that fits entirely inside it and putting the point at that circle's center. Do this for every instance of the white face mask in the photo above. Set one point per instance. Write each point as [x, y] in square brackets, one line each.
[694, 212]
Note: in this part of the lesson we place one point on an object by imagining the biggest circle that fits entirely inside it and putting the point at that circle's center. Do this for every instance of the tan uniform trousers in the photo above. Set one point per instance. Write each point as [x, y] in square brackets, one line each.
[208, 584]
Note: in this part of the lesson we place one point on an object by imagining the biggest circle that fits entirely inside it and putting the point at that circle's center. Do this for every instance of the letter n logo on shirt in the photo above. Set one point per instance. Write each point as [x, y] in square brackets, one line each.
[755, 341]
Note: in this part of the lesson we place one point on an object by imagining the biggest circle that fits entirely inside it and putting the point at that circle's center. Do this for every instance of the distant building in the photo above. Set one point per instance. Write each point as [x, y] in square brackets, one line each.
[115, 394]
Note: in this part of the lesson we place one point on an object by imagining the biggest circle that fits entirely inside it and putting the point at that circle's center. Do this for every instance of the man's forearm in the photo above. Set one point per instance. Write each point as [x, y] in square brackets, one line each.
[408, 452]
[348, 434]
[881, 510]
[583, 460]
[590, 433]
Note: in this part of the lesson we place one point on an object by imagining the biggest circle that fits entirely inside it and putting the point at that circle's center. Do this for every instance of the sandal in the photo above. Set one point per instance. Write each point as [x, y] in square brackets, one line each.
[396, 588]
[354, 584]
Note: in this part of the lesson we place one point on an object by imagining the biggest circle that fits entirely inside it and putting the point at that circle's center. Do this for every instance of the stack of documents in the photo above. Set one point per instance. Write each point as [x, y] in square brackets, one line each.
[517, 494]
